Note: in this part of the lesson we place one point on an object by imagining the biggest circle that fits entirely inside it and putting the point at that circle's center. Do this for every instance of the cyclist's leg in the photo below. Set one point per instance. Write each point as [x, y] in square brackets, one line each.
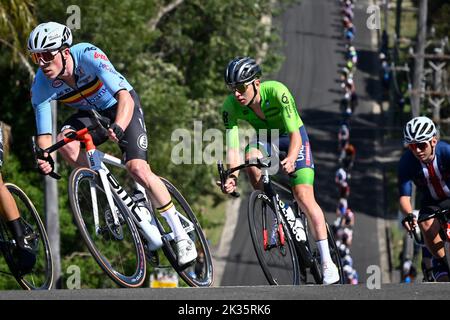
[72, 152]
[253, 151]
[430, 229]
[24, 256]
[135, 155]
[303, 189]
[8, 207]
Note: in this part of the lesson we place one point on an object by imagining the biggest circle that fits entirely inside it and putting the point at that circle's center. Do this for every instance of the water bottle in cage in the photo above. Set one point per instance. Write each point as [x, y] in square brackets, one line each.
[148, 223]
[296, 223]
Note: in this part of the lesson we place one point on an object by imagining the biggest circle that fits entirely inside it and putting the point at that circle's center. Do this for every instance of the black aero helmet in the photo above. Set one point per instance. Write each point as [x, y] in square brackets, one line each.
[241, 70]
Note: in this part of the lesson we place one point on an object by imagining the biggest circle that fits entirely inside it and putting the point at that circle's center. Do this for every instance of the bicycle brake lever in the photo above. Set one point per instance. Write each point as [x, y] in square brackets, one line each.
[39, 154]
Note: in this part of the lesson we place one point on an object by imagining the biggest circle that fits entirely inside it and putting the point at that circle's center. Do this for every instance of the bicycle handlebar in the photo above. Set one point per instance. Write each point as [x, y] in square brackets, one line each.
[224, 174]
[441, 215]
[39, 154]
[101, 123]
[260, 163]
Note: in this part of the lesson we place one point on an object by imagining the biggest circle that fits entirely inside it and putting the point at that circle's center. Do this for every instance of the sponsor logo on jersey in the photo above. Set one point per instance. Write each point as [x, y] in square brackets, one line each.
[80, 71]
[98, 96]
[57, 83]
[90, 49]
[107, 67]
[308, 154]
[142, 142]
[84, 80]
[100, 56]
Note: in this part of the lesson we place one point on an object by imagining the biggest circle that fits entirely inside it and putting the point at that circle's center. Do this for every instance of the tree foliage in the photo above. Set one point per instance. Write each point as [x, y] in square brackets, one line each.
[175, 63]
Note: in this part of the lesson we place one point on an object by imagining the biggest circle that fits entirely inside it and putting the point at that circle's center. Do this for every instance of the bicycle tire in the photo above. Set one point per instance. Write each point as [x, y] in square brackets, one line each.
[200, 273]
[131, 260]
[41, 276]
[272, 271]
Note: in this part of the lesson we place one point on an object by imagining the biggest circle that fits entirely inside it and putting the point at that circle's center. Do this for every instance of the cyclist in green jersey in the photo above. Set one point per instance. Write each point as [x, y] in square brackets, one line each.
[269, 105]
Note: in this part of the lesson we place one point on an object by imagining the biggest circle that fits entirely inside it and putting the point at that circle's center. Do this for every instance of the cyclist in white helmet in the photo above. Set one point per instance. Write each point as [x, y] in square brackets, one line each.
[82, 77]
[426, 163]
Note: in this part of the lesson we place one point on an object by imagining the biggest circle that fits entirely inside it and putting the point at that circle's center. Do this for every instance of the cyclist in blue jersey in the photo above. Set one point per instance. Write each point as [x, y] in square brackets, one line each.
[82, 77]
[24, 256]
[426, 163]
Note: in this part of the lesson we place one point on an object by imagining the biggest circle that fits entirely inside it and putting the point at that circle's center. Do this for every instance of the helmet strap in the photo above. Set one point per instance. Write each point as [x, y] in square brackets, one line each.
[64, 65]
[254, 95]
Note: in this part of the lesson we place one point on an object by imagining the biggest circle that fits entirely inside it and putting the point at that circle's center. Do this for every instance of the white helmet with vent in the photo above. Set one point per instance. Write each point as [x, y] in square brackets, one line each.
[49, 36]
[419, 129]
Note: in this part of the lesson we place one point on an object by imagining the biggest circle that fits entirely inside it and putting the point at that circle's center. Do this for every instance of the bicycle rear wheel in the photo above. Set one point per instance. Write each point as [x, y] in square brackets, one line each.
[117, 249]
[278, 260]
[41, 276]
[200, 273]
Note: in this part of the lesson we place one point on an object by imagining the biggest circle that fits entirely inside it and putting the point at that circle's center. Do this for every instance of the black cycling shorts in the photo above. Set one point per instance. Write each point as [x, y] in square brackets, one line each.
[135, 134]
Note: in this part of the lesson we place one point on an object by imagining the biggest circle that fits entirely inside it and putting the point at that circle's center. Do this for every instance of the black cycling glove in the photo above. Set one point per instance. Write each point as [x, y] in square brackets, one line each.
[409, 219]
[118, 131]
[50, 160]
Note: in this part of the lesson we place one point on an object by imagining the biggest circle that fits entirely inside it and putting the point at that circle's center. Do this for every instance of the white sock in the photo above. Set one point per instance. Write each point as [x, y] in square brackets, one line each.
[324, 251]
[170, 213]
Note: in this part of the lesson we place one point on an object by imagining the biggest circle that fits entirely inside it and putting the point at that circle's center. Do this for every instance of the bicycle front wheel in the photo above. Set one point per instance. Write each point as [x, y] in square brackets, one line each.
[41, 276]
[116, 248]
[274, 248]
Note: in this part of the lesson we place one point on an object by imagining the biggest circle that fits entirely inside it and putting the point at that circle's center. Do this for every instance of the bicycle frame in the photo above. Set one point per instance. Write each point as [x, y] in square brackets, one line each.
[293, 223]
[96, 160]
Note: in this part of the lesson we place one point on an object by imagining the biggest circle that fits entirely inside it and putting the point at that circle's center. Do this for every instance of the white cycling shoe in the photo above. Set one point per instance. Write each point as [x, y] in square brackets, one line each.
[330, 273]
[186, 252]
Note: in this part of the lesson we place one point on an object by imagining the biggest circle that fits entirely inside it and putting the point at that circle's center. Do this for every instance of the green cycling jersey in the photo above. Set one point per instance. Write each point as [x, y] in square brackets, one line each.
[277, 105]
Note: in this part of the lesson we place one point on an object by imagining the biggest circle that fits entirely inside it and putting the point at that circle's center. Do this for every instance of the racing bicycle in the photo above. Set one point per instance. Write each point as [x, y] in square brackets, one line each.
[120, 227]
[280, 233]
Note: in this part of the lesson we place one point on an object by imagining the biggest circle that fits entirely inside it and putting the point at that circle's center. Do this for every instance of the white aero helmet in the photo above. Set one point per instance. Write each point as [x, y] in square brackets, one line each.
[49, 36]
[419, 129]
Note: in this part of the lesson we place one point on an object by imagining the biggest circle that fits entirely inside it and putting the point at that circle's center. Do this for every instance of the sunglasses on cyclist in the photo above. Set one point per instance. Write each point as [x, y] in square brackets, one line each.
[46, 56]
[240, 87]
[421, 145]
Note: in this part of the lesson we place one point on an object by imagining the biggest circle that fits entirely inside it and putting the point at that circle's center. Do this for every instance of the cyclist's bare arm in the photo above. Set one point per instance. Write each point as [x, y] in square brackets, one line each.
[294, 148]
[405, 204]
[233, 160]
[125, 109]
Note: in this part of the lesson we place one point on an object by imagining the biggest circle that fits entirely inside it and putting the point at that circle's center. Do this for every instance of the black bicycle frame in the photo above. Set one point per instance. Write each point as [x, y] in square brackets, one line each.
[301, 247]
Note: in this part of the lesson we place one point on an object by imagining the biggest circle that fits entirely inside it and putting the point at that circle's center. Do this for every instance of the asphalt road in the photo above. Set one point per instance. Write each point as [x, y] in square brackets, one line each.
[432, 291]
[314, 52]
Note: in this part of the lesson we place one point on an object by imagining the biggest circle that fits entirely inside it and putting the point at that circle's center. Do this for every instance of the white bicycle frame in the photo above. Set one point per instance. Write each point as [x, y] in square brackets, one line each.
[97, 160]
